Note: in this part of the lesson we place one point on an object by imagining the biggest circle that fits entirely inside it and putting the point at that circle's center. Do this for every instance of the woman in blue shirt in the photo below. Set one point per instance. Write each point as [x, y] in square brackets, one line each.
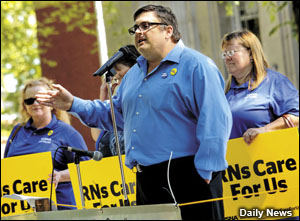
[260, 99]
[45, 130]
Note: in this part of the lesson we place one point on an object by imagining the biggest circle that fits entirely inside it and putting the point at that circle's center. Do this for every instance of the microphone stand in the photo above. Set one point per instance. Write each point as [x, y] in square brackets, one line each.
[108, 78]
[77, 161]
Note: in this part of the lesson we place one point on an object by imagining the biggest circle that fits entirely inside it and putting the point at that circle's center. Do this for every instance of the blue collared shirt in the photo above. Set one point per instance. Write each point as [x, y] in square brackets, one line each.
[274, 97]
[179, 106]
[30, 140]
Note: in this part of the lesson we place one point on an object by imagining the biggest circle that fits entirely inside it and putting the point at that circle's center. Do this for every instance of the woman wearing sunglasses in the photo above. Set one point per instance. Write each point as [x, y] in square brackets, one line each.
[45, 129]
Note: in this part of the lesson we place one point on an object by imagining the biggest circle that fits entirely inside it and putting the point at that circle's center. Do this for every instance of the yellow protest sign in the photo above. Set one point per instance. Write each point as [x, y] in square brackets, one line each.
[262, 180]
[102, 183]
[25, 175]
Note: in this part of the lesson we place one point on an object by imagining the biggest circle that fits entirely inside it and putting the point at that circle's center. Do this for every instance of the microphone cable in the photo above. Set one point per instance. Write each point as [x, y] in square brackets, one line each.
[168, 177]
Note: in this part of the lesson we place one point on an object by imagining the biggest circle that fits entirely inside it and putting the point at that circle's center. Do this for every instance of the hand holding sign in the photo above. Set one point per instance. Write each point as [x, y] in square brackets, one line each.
[263, 175]
[59, 176]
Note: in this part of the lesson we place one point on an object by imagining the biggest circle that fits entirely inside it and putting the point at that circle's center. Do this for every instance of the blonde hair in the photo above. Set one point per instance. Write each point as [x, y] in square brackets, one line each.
[249, 40]
[61, 115]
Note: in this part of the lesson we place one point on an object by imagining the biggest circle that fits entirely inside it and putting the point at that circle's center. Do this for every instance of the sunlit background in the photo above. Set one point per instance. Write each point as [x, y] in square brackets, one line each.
[202, 25]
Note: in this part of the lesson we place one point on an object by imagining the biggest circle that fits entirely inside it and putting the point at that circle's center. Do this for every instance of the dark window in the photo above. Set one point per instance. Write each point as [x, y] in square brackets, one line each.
[249, 17]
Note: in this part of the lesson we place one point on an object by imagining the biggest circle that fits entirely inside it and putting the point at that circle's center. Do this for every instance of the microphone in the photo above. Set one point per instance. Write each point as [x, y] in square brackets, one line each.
[96, 155]
[122, 53]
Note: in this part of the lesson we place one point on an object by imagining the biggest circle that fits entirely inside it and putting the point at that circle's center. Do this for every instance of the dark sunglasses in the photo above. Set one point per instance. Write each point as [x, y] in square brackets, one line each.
[29, 101]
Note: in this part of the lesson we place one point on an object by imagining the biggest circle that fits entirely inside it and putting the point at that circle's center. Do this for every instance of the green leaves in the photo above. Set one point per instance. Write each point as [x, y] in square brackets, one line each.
[19, 54]
[273, 8]
[20, 59]
[229, 6]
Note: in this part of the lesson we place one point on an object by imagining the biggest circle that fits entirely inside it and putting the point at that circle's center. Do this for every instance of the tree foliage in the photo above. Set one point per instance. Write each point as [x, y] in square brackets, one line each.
[71, 13]
[273, 8]
[20, 48]
[19, 52]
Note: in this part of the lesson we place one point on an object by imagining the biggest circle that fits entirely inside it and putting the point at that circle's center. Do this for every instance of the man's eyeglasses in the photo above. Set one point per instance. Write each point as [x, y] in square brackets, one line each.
[230, 53]
[29, 101]
[144, 26]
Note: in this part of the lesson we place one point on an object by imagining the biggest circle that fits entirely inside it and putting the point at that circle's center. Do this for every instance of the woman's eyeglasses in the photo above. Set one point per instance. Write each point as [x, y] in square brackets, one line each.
[144, 26]
[231, 53]
[29, 101]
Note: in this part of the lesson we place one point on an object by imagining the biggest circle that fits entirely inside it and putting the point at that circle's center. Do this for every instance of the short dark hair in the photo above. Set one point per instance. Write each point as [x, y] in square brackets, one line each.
[130, 60]
[165, 15]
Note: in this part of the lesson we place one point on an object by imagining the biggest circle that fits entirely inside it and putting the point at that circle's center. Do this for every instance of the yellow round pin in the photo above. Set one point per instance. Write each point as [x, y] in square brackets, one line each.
[173, 71]
[50, 132]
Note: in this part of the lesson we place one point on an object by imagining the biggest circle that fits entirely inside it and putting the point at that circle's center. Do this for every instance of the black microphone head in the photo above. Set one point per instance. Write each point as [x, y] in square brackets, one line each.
[126, 55]
[109, 64]
[125, 50]
[130, 52]
[97, 156]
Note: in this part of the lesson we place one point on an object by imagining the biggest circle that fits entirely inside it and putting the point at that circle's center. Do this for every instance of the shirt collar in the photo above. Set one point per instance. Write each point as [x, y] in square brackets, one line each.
[173, 55]
[49, 126]
[234, 84]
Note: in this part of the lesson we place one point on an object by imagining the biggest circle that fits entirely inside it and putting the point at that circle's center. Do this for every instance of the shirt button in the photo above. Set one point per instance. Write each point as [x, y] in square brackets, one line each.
[137, 113]
[145, 79]
[134, 130]
[140, 96]
[34, 134]
[132, 148]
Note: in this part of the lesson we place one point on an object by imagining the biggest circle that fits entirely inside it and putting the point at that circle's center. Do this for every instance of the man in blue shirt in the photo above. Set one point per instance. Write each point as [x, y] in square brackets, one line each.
[171, 104]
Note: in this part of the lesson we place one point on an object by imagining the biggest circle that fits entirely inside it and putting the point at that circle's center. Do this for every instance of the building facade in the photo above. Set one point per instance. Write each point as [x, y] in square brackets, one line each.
[203, 24]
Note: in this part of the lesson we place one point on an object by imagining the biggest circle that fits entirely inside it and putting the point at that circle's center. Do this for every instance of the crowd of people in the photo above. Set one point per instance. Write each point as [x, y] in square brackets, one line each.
[172, 103]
